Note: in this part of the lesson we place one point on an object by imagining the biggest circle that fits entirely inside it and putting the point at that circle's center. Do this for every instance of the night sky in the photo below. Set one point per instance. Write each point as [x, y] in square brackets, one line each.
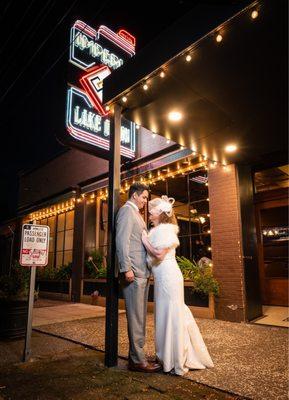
[33, 71]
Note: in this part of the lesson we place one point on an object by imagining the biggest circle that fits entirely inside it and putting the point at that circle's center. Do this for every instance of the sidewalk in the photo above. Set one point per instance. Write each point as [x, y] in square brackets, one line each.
[63, 370]
[250, 360]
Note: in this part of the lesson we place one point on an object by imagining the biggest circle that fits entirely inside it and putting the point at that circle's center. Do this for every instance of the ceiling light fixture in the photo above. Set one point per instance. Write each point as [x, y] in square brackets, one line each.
[230, 148]
[175, 116]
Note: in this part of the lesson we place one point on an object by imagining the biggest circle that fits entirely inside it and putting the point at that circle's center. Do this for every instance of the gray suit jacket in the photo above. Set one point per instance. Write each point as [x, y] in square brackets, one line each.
[130, 250]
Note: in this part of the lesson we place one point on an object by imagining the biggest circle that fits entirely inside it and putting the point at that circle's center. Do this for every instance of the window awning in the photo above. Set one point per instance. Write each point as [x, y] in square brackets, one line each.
[233, 91]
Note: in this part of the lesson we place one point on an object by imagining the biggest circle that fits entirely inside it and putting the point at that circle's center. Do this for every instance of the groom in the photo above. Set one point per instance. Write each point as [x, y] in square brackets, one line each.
[135, 273]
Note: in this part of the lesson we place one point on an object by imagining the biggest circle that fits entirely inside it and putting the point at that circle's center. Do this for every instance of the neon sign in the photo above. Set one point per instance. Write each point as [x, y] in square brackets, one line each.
[84, 124]
[98, 53]
[89, 47]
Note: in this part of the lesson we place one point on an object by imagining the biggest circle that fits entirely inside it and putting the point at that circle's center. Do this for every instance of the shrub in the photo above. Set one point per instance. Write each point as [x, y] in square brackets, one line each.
[16, 284]
[200, 275]
[94, 265]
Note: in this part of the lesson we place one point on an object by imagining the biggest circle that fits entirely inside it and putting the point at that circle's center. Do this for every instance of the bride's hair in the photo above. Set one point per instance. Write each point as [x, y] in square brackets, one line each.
[164, 207]
[165, 219]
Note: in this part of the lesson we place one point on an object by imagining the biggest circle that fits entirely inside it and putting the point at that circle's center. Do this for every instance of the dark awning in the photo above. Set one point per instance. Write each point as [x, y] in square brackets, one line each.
[234, 91]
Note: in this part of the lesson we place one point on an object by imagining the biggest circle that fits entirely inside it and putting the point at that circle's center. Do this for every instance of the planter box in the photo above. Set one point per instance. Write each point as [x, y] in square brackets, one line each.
[13, 317]
[200, 305]
[60, 290]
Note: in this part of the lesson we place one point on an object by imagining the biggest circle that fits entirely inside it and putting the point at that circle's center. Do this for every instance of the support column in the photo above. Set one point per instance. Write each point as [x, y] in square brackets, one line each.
[251, 268]
[78, 250]
[111, 327]
[226, 243]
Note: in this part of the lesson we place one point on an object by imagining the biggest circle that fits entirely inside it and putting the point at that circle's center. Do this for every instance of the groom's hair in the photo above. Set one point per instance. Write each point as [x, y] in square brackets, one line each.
[137, 187]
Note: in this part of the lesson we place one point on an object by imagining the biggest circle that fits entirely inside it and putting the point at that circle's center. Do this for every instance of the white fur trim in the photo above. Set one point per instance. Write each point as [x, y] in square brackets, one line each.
[164, 236]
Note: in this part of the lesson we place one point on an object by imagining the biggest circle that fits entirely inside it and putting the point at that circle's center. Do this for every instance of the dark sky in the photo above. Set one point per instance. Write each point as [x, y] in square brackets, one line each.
[33, 71]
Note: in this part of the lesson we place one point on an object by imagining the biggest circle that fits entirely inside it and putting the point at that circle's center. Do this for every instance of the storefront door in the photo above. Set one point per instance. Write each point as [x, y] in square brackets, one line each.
[272, 221]
[271, 206]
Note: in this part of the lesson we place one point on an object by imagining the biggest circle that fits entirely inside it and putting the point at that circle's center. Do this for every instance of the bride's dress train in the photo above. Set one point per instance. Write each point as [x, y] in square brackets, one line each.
[179, 343]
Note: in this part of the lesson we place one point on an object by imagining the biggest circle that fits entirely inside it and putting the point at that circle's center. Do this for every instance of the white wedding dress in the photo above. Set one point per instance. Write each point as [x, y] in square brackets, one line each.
[179, 343]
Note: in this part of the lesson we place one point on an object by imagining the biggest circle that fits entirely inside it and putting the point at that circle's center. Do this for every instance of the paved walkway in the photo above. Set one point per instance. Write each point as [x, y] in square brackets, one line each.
[50, 312]
[274, 316]
[250, 360]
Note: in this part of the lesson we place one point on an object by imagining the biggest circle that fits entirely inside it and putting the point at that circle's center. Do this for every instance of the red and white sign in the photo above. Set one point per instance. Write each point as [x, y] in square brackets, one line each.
[34, 245]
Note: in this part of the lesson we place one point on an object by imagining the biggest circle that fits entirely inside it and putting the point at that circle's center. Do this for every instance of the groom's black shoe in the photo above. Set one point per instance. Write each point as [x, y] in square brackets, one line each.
[144, 367]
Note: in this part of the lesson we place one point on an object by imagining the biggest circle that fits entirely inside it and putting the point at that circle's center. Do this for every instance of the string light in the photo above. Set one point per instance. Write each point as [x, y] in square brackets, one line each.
[53, 210]
[145, 86]
[124, 99]
[188, 58]
[162, 74]
[219, 38]
[254, 14]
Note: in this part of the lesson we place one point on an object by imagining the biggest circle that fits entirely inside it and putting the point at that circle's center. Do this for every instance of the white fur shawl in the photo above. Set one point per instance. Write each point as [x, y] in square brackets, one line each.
[164, 236]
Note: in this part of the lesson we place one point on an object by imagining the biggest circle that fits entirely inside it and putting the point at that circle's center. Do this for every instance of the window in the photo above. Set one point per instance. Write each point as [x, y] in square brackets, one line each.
[191, 208]
[64, 240]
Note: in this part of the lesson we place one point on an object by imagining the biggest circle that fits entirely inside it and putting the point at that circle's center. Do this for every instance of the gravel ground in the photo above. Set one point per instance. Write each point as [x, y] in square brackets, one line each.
[249, 360]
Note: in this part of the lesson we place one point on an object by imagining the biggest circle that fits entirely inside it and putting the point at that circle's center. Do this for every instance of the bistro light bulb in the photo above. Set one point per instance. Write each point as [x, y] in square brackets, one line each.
[254, 14]
[124, 99]
[145, 86]
[168, 141]
[175, 116]
[162, 74]
[230, 148]
[188, 58]
[106, 108]
[219, 38]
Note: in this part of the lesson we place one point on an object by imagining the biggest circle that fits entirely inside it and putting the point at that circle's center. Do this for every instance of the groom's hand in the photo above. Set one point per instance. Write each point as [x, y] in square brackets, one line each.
[129, 276]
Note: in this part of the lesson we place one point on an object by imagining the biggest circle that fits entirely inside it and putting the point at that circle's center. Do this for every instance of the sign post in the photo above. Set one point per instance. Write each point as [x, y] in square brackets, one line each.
[34, 252]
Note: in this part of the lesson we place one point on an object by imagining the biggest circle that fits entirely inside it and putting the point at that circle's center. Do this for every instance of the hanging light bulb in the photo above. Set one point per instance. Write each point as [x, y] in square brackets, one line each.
[219, 38]
[162, 74]
[254, 14]
[188, 57]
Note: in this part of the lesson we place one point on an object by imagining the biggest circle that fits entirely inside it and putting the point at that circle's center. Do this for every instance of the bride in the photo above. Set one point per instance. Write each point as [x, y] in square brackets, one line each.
[179, 343]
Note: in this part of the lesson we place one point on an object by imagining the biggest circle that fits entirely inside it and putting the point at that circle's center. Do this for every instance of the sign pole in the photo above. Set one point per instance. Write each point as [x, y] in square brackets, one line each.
[33, 253]
[27, 347]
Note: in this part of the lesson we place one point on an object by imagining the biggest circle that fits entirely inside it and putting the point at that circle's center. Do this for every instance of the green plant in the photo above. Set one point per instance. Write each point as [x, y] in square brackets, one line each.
[55, 274]
[64, 272]
[94, 265]
[15, 285]
[200, 275]
[46, 273]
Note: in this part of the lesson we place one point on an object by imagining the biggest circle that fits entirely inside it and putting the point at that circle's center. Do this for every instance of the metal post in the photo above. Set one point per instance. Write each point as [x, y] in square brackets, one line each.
[78, 250]
[111, 331]
[27, 347]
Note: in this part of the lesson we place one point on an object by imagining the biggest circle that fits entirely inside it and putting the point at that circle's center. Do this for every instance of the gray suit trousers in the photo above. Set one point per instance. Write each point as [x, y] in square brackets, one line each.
[136, 297]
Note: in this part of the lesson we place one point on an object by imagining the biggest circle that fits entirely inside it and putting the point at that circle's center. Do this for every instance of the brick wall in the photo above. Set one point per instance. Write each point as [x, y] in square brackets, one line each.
[226, 243]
